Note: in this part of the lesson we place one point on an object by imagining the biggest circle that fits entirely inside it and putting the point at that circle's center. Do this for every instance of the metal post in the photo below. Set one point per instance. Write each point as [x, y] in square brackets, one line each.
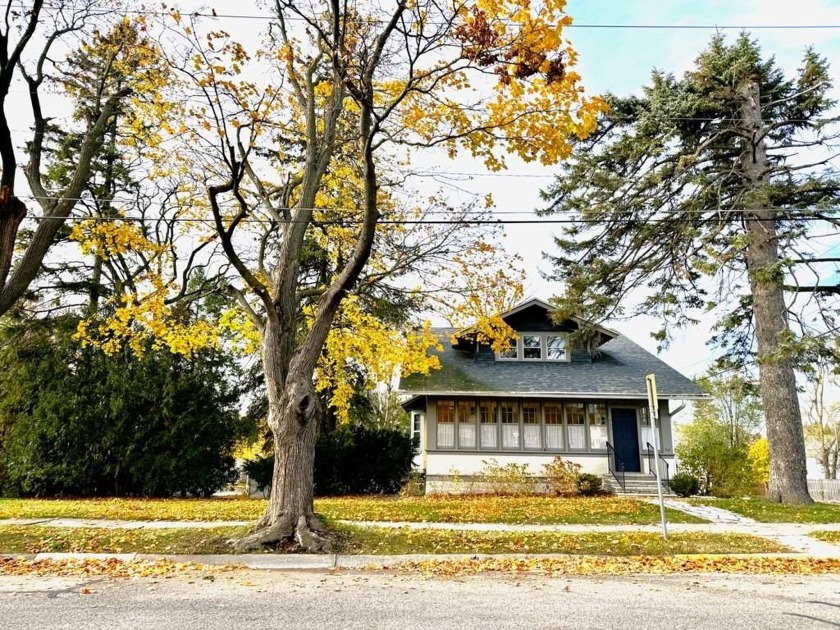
[653, 404]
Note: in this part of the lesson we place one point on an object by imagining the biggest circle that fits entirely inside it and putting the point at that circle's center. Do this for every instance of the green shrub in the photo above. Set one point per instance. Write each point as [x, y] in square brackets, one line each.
[261, 471]
[354, 459]
[562, 476]
[76, 421]
[508, 479]
[589, 484]
[685, 484]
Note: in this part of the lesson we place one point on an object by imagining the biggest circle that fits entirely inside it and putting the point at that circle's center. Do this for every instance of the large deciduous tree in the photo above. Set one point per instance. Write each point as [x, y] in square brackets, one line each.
[699, 196]
[302, 158]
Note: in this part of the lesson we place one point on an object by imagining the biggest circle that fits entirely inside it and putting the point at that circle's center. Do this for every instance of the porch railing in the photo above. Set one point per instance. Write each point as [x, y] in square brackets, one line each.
[616, 465]
[663, 467]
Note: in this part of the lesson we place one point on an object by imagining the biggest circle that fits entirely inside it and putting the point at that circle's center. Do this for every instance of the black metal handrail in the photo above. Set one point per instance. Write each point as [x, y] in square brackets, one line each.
[664, 476]
[616, 465]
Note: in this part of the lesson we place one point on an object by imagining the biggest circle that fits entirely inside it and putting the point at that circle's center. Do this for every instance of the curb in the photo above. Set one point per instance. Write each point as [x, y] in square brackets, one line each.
[303, 562]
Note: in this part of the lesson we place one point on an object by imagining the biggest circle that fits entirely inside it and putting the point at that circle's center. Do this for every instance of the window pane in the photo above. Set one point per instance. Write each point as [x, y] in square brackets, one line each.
[509, 414]
[554, 436]
[531, 413]
[489, 422]
[553, 415]
[509, 353]
[446, 424]
[531, 347]
[531, 434]
[556, 347]
[575, 421]
[643, 414]
[597, 413]
[466, 436]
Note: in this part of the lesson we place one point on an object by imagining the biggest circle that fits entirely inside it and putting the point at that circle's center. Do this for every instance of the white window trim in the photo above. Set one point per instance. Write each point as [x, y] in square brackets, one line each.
[520, 349]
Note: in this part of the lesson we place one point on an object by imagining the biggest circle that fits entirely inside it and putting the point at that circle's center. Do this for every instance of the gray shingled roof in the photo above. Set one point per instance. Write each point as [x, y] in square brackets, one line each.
[617, 372]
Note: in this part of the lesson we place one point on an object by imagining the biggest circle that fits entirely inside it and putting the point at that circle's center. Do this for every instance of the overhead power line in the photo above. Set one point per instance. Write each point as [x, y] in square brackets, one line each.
[213, 15]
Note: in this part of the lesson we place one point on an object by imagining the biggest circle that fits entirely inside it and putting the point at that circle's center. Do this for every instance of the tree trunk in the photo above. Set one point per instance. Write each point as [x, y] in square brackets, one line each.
[777, 378]
[12, 213]
[294, 413]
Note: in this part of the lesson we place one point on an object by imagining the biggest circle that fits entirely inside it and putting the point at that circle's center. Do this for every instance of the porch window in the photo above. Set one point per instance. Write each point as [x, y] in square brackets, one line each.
[466, 424]
[531, 425]
[532, 347]
[555, 346]
[553, 415]
[576, 425]
[646, 429]
[446, 424]
[597, 413]
[510, 424]
[489, 424]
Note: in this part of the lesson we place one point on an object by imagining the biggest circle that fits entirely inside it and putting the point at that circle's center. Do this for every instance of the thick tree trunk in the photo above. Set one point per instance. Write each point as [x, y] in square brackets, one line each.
[294, 413]
[777, 378]
[12, 213]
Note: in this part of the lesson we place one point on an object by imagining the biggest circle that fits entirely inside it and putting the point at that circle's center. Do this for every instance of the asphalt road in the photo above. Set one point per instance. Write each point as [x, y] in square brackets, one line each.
[302, 600]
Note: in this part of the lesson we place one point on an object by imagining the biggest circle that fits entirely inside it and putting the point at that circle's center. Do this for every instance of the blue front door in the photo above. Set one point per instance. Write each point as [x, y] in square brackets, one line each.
[626, 439]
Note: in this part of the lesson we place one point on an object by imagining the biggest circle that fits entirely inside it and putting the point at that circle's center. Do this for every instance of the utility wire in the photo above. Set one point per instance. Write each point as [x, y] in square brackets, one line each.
[582, 25]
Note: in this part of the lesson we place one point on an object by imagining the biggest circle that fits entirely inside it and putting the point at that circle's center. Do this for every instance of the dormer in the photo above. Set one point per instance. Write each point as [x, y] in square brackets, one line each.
[539, 338]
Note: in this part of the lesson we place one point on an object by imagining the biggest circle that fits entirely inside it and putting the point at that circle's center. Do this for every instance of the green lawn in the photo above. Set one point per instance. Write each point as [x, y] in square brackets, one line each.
[392, 541]
[221, 509]
[379, 541]
[478, 509]
[539, 510]
[34, 539]
[767, 512]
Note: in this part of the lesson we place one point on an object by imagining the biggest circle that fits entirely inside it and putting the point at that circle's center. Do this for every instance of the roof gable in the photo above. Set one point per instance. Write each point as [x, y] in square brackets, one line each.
[534, 315]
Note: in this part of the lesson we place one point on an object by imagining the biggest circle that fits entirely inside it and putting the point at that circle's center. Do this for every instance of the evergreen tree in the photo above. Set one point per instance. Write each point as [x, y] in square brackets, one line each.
[697, 196]
[77, 421]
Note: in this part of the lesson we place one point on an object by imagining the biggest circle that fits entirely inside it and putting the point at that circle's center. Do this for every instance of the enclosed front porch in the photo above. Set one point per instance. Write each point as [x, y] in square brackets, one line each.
[458, 436]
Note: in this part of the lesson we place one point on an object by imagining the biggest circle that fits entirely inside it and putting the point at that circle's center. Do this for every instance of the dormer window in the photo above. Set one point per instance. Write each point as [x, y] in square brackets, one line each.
[509, 353]
[555, 346]
[536, 347]
[531, 347]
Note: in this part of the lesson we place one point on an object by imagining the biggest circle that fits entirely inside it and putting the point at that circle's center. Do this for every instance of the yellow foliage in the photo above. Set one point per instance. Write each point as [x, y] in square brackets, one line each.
[759, 456]
[146, 320]
[359, 338]
[112, 238]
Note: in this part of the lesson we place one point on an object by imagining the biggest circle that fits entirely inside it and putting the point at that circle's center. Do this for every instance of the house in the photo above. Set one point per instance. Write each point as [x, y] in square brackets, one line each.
[547, 396]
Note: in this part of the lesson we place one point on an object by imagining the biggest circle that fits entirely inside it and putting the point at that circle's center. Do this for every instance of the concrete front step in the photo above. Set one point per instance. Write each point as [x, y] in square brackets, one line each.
[634, 484]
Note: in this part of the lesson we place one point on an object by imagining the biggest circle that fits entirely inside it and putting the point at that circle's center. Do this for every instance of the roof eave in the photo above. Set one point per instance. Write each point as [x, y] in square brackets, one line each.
[641, 395]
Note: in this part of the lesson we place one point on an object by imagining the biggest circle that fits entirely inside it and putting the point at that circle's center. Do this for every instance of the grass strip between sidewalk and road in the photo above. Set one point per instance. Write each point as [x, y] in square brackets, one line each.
[767, 512]
[380, 541]
[832, 537]
[527, 510]
[532, 510]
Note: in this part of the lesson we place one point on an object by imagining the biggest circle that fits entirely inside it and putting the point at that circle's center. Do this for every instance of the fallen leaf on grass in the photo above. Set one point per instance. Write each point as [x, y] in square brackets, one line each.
[110, 567]
[622, 566]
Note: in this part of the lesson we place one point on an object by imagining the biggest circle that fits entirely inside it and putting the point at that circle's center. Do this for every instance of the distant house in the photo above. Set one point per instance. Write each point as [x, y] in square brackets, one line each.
[543, 398]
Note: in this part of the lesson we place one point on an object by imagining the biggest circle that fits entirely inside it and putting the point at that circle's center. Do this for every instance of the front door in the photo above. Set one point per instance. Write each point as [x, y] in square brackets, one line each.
[626, 439]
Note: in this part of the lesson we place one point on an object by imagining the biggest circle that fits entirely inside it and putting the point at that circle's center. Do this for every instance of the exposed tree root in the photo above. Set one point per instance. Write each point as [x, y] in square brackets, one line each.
[264, 536]
[309, 537]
